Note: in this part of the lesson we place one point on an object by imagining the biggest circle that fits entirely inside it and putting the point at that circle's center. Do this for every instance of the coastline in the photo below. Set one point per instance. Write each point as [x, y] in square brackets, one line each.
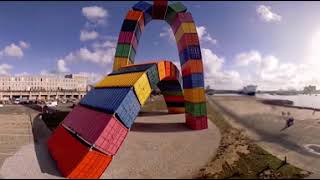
[284, 103]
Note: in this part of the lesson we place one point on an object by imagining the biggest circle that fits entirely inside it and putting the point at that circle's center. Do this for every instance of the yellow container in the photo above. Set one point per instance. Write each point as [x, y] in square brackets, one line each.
[176, 110]
[161, 70]
[120, 62]
[139, 81]
[186, 27]
[195, 95]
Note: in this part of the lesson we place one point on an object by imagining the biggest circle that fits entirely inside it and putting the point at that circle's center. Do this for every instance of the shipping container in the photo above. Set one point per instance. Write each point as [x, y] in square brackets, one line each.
[159, 9]
[121, 101]
[150, 69]
[176, 110]
[132, 26]
[196, 123]
[173, 10]
[102, 131]
[195, 95]
[188, 39]
[127, 37]
[196, 109]
[174, 98]
[191, 52]
[172, 93]
[175, 104]
[185, 27]
[138, 80]
[146, 8]
[125, 51]
[136, 16]
[170, 85]
[192, 67]
[120, 62]
[73, 158]
[180, 18]
[193, 80]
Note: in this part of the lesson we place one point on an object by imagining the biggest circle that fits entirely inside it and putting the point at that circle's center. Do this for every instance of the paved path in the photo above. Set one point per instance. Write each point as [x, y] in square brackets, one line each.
[158, 146]
[263, 123]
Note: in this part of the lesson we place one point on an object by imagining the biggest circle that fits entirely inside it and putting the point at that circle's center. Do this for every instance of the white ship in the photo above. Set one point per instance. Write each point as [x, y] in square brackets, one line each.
[249, 90]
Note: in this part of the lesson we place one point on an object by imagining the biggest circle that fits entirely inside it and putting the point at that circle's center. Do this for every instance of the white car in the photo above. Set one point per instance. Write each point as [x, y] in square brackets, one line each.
[17, 101]
[52, 103]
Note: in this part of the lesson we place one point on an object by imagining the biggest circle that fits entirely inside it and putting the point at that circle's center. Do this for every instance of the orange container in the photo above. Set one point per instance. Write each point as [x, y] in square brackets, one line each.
[73, 158]
[176, 110]
[161, 70]
[168, 68]
[195, 95]
[191, 67]
[136, 16]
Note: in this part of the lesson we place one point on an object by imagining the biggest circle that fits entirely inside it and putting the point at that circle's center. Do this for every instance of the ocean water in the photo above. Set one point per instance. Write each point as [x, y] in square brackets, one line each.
[312, 101]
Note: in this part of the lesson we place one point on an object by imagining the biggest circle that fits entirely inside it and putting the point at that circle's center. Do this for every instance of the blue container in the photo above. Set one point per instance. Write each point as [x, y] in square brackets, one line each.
[146, 8]
[191, 52]
[119, 101]
[193, 80]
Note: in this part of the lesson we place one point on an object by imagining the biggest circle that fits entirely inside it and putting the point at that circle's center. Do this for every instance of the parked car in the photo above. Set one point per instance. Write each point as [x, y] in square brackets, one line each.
[17, 101]
[1, 103]
[51, 103]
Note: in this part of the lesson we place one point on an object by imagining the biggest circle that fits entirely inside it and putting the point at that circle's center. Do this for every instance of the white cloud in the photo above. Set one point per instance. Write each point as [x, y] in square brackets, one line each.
[265, 14]
[246, 58]
[95, 14]
[92, 77]
[88, 35]
[204, 36]
[61, 66]
[12, 50]
[24, 44]
[167, 32]
[4, 69]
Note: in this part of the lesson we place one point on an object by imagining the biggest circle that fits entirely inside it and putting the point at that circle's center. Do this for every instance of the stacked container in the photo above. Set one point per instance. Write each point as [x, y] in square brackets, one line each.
[128, 39]
[159, 9]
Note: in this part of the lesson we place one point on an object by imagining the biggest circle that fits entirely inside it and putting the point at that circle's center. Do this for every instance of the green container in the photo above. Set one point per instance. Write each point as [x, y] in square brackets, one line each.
[125, 50]
[153, 77]
[196, 109]
[172, 93]
[173, 9]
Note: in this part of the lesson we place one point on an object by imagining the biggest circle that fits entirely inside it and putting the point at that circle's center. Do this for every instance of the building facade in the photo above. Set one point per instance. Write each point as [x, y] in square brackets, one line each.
[309, 89]
[72, 82]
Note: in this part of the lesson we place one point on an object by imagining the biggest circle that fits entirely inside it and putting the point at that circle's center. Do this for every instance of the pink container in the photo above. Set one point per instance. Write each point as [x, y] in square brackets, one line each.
[180, 18]
[196, 123]
[127, 37]
[102, 130]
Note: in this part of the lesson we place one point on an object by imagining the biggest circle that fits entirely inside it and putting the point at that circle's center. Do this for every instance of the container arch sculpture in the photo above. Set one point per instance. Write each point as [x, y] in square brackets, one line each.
[85, 142]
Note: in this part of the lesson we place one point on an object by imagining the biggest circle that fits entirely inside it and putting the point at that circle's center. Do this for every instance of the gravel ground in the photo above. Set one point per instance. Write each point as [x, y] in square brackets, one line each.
[157, 147]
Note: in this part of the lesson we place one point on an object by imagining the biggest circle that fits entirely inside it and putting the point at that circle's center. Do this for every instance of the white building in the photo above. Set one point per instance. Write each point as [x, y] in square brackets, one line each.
[43, 83]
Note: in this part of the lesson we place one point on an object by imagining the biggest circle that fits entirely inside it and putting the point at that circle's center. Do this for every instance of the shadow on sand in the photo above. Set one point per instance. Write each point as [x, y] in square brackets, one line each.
[159, 127]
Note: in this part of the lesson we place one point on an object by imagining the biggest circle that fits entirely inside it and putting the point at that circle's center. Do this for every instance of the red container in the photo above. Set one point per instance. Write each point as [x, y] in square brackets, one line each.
[159, 9]
[196, 123]
[180, 18]
[127, 37]
[73, 158]
[102, 130]
[174, 98]
[188, 39]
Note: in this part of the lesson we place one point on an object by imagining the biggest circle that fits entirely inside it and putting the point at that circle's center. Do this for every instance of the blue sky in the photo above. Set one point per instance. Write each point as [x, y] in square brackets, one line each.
[271, 44]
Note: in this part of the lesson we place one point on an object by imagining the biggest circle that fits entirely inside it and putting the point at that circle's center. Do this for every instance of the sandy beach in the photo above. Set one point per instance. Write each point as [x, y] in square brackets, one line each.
[263, 123]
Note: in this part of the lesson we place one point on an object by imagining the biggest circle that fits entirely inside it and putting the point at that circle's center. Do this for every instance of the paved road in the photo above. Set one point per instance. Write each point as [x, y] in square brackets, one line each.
[263, 123]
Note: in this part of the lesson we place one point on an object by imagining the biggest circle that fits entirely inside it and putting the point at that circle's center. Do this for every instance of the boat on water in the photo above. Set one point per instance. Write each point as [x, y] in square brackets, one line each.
[249, 90]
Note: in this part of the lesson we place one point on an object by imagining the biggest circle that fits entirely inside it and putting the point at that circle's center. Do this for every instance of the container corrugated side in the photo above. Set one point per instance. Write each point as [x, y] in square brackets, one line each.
[192, 67]
[73, 158]
[120, 80]
[120, 62]
[146, 8]
[196, 123]
[142, 88]
[185, 27]
[196, 109]
[102, 130]
[193, 81]
[195, 95]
